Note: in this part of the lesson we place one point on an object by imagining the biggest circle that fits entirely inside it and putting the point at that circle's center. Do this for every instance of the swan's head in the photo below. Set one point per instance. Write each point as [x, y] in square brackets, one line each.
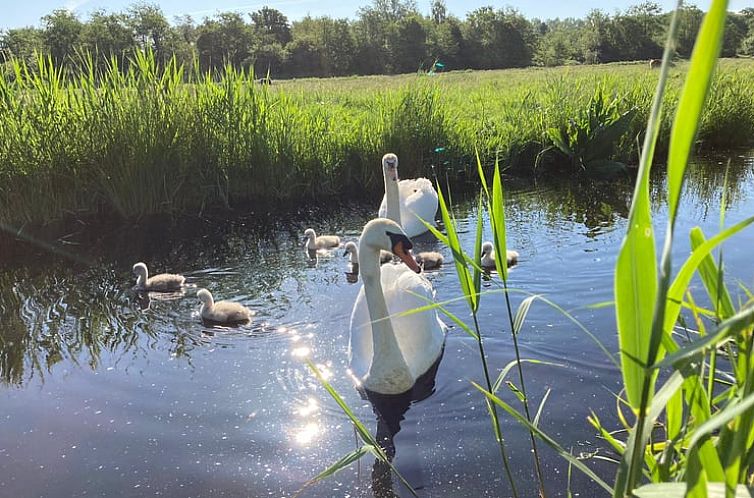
[204, 296]
[140, 269]
[351, 248]
[386, 235]
[309, 234]
[390, 166]
[486, 248]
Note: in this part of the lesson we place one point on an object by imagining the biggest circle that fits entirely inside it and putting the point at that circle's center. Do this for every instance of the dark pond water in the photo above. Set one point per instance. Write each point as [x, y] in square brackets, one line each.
[103, 394]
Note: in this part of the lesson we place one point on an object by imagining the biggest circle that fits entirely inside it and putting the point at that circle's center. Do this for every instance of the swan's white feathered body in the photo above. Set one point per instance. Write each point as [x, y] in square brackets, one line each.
[420, 336]
[417, 197]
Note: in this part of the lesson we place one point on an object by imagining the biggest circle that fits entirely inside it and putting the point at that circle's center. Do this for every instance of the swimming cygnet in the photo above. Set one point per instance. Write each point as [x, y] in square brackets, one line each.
[488, 256]
[222, 312]
[322, 242]
[352, 250]
[164, 282]
[429, 260]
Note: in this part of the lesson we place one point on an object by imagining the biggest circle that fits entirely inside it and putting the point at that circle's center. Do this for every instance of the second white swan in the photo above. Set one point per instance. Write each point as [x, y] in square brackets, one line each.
[417, 199]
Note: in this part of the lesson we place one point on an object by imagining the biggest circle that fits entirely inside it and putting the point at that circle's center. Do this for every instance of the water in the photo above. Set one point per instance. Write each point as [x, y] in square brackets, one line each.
[106, 394]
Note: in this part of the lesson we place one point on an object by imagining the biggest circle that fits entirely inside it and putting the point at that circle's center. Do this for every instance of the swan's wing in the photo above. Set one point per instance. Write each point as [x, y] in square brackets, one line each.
[360, 341]
[418, 199]
[165, 282]
[420, 335]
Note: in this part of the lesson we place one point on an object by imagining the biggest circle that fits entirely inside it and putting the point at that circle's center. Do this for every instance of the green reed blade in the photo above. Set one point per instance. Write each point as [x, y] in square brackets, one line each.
[366, 436]
[678, 490]
[342, 463]
[545, 438]
[497, 218]
[693, 96]
[712, 278]
[727, 329]
[685, 274]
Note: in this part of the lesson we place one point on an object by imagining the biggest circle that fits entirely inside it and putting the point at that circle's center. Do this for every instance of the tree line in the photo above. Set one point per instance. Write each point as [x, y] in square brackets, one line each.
[385, 37]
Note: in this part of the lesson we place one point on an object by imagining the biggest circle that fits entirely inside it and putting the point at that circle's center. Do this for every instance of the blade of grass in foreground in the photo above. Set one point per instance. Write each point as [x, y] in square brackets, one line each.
[366, 436]
[545, 438]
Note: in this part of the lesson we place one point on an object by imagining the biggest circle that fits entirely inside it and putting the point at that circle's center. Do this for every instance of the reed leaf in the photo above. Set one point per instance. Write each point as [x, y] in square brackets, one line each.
[545, 438]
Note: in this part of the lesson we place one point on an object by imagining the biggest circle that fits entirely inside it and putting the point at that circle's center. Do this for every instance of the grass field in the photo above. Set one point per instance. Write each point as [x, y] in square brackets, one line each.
[146, 142]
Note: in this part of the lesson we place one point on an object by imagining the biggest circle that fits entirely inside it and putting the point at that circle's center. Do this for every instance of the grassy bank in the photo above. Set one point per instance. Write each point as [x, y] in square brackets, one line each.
[146, 142]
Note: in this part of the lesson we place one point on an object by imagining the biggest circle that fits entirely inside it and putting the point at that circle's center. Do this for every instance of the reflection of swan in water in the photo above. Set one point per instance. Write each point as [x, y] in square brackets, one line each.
[390, 410]
[144, 299]
[414, 199]
[387, 352]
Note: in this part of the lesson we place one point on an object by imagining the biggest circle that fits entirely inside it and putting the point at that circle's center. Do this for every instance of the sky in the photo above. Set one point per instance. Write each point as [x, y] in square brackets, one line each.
[15, 13]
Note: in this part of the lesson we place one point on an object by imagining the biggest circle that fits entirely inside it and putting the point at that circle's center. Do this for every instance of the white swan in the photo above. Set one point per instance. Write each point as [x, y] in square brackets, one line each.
[164, 282]
[313, 242]
[352, 251]
[488, 256]
[386, 352]
[430, 260]
[222, 312]
[416, 199]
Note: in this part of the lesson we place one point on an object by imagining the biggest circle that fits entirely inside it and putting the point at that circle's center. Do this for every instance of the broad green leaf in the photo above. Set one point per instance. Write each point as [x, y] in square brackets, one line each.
[693, 96]
[636, 291]
[678, 490]
[459, 257]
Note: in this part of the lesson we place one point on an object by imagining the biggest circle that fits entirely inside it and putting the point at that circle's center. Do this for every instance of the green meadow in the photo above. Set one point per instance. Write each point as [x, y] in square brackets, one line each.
[170, 140]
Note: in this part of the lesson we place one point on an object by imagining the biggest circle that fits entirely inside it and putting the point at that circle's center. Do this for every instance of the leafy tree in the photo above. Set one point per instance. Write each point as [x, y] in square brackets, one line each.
[445, 42]
[22, 43]
[408, 45]
[439, 12]
[689, 22]
[224, 39]
[61, 34]
[107, 36]
[498, 38]
[272, 26]
[150, 28]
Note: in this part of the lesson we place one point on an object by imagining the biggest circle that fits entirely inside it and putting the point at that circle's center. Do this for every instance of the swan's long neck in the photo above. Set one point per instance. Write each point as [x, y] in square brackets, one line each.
[354, 256]
[388, 366]
[207, 304]
[141, 278]
[311, 242]
[392, 198]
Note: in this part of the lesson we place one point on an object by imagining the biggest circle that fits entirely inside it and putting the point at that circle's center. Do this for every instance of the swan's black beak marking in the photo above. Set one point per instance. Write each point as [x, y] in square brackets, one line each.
[395, 238]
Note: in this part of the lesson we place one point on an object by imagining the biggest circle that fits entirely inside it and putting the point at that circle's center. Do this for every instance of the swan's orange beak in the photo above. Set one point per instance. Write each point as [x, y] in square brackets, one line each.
[406, 257]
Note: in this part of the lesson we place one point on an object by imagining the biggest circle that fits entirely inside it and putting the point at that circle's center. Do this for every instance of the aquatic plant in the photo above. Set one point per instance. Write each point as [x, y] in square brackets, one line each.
[590, 138]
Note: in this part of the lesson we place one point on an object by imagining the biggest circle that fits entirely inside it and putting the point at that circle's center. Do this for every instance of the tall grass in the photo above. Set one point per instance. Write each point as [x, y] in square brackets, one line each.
[153, 140]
